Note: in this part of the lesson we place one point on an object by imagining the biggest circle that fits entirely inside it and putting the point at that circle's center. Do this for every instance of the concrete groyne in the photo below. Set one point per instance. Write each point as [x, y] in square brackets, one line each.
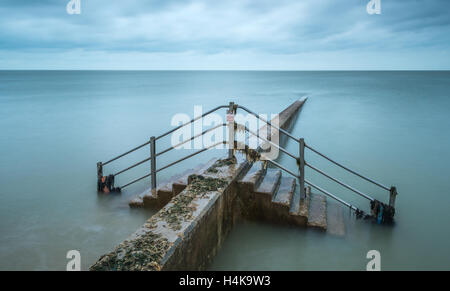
[189, 230]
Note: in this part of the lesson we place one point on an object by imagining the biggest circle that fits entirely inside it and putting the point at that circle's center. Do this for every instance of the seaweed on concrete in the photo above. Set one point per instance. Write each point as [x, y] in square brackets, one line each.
[143, 254]
[221, 163]
[181, 208]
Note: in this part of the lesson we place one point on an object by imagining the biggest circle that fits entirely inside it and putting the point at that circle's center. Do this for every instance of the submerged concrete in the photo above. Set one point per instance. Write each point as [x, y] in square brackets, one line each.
[187, 232]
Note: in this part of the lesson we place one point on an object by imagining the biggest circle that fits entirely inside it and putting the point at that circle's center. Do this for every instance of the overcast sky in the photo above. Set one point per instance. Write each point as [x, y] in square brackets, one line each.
[225, 34]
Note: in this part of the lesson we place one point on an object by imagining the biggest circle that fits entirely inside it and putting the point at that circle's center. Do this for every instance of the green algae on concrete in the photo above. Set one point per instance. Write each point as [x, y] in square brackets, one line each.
[221, 163]
[182, 208]
[150, 248]
[144, 253]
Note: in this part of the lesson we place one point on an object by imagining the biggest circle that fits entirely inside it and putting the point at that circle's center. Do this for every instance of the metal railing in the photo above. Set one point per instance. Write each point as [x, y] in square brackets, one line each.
[154, 155]
[231, 109]
[232, 126]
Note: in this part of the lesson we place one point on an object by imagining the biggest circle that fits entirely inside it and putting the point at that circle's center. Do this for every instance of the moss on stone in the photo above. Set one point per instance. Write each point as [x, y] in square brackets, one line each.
[181, 209]
[221, 163]
[143, 254]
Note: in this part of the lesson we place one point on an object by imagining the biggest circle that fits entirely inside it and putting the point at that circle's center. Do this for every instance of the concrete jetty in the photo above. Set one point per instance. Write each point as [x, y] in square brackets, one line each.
[189, 229]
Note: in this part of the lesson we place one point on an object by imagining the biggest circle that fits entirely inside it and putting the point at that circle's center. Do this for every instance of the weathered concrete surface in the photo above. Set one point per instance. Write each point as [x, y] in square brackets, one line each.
[318, 212]
[285, 192]
[335, 220]
[187, 232]
[285, 119]
[177, 183]
[275, 200]
[299, 208]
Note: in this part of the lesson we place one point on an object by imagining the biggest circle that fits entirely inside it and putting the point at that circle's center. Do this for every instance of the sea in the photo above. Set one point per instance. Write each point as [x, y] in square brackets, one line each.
[392, 126]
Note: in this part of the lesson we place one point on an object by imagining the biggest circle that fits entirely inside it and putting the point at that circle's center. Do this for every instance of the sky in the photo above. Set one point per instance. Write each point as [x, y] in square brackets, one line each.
[225, 35]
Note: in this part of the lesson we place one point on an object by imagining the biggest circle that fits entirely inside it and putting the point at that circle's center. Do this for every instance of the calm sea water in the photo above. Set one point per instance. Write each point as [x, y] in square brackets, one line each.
[55, 126]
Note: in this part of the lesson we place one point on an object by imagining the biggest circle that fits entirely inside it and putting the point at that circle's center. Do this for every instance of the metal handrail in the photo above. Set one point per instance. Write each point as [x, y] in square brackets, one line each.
[192, 138]
[189, 156]
[168, 149]
[268, 141]
[165, 134]
[283, 168]
[268, 122]
[124, 154]
[332, 195]
[173, 163]
[232, 109]
[340, 182]
[316, 187]
[192, 120]
[345, 168]
[136, 180]
[132, 166]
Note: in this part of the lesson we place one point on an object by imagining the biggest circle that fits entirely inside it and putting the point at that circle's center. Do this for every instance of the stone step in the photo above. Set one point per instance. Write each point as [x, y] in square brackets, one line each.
[298, 206]
[285, 192]
[166, 191]
[304, 204]
[317, 216]
[181, 183]
[295, 202]
[254, 176]
[270, 182]
[335, 220]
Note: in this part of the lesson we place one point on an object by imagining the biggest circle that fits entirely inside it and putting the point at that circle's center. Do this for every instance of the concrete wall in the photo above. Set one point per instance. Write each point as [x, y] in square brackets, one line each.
[204, 221]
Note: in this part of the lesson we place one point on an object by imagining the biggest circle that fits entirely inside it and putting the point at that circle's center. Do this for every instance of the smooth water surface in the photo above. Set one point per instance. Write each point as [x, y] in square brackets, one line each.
[55, 126]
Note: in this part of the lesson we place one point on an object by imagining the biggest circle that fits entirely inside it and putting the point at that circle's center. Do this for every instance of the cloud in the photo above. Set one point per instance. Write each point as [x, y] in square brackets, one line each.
[275, 30]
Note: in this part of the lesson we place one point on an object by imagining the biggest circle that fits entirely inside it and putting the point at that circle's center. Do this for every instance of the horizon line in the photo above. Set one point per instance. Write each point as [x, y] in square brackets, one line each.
[236, 70]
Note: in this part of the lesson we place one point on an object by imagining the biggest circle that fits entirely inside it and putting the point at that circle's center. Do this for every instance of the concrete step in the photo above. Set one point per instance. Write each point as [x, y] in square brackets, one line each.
[285, 192]
[317, 216]
[165, 192]
[335, 220]
[270, 182]
[304, 203]
[151, 198]
[254, 176]
[298, 206]
[181, 183]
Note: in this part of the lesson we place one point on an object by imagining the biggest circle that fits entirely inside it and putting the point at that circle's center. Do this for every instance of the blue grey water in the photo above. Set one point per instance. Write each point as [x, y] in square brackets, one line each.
[55, 126]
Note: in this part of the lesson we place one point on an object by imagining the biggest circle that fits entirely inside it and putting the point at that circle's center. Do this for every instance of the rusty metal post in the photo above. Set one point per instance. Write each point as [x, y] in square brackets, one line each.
[153, 162]
[392, 195]
[302, 168]
[231, 131]
[99, 175]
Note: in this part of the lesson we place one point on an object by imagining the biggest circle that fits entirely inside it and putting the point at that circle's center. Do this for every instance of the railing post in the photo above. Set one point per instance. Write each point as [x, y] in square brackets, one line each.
[153, 161]
[302, 167]
[231, 133]
[99, 175]
[392, 196]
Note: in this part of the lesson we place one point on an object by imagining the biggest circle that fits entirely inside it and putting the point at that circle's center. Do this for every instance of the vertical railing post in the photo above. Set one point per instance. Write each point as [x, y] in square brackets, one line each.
[302, 167]
[231, 133]
[153, 161]
[99, 175]
[392, 196]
